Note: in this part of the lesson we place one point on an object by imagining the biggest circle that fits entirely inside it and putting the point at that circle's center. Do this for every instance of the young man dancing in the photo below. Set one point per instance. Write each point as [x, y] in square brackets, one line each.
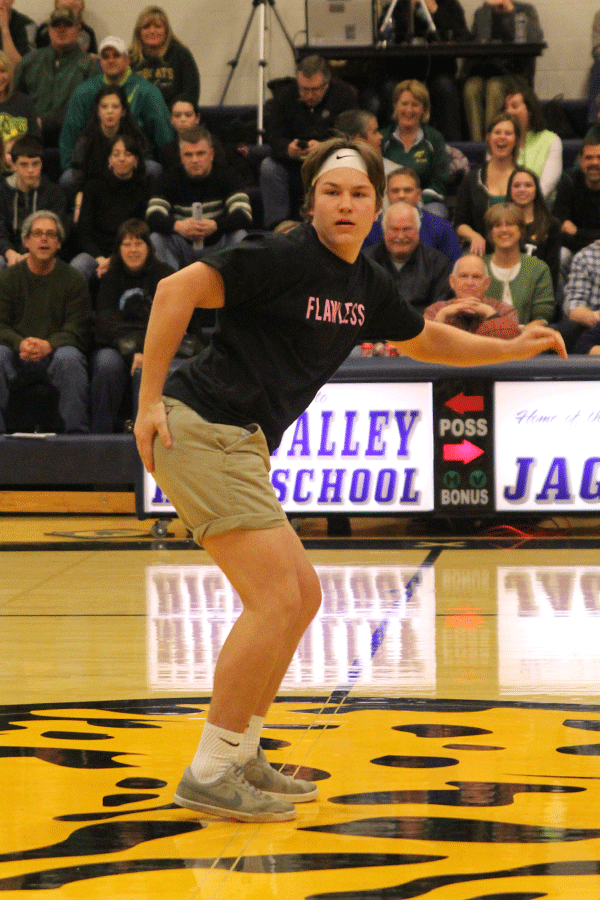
[208, 432]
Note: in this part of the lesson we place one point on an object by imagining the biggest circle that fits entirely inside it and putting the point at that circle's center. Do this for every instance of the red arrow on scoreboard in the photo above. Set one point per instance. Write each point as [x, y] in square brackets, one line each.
[465, 452]
[461, 403]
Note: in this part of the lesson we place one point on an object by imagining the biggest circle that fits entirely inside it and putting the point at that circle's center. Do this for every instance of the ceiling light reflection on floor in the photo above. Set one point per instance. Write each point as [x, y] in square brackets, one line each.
[369, 630]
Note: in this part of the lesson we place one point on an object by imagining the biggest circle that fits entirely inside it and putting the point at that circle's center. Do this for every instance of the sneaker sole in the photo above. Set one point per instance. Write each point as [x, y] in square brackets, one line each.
[225, 813]
[293, 798]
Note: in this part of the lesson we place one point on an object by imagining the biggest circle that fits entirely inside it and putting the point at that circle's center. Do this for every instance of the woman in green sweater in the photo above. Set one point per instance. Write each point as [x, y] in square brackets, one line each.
[413, 143]
[521, 280]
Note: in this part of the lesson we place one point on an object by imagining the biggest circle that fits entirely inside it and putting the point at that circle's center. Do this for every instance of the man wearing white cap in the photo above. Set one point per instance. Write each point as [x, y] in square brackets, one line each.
[290, 308]
[146, 102]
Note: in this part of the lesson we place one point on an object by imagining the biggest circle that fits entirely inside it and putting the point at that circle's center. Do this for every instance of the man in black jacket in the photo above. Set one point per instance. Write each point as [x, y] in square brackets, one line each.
[182, 231]
[577, 204]
[22, 193]
[421, 272]
[303, 114]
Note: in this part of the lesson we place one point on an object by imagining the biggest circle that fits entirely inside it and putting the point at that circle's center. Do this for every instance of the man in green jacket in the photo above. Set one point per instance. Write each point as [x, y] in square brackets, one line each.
[146, 102]
[50, 75]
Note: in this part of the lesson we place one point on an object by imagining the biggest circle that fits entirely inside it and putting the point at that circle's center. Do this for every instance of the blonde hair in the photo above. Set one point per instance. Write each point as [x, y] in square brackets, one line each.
[7, 66]
[147, 15]
[419, 92]
[504, 212]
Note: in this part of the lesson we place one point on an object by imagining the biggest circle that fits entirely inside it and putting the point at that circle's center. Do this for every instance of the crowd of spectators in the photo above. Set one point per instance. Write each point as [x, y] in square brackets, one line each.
[109, 181]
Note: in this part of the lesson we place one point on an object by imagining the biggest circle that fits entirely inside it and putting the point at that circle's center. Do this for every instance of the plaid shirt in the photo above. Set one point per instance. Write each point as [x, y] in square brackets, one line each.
[505, 324]
[583, 286]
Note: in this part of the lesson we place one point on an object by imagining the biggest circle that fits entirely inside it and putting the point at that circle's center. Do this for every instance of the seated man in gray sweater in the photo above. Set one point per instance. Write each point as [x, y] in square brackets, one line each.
[45, 322]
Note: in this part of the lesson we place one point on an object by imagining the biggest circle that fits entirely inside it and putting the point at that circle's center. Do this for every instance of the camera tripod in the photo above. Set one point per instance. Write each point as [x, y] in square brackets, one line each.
[262, 62]
[386, 28]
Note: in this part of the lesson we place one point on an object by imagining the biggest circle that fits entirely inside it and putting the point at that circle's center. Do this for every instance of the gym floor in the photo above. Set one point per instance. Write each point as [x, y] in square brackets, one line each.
[445, 698]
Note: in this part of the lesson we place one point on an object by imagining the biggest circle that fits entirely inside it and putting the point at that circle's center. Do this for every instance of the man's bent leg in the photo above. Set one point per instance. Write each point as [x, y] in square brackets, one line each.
[68, 372]
[107, 389]
[275, 191]
[279, 593]
[8, 370]
[310, 593]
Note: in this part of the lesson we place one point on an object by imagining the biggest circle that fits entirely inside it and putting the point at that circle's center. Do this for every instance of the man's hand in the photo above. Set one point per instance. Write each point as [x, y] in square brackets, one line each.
[568, 227]
[466, 305]
[537, 338]
[477, 245]
[12, 257]
[103, 264]
[4, 14]
[191, 229]
[207, 226]
[430, 4]
[295, 151]
[33, 349]
[151, 420]
[584, 315]
[138, 359]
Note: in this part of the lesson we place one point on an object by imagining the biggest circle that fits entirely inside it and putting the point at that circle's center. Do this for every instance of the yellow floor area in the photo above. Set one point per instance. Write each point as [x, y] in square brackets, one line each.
[445, 699]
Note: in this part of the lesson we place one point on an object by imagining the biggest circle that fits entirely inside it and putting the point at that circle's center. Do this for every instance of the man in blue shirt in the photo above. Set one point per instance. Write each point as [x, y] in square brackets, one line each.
[403, 184]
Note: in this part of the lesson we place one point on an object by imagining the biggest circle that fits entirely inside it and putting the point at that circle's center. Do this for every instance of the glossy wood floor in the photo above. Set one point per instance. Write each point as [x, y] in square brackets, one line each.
[445, 698]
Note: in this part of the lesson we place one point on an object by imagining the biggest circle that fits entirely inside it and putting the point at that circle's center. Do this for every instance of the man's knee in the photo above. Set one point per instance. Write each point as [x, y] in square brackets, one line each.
[311, 595]
[473, 90]
[272, 171]
[68, 366]
[69, 355]
[107, 363]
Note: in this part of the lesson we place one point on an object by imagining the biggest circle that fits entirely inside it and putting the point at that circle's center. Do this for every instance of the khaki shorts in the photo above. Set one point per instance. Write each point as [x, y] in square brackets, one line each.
[216, 476]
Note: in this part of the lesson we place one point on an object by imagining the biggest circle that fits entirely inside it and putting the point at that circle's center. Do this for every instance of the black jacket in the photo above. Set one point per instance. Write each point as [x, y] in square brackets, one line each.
[289, 118]
[423, 279]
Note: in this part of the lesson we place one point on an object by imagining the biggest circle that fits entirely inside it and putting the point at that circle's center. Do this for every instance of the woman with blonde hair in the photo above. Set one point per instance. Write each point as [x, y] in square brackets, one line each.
[17, 112]
[523, 281]
[414, 143]
[159, 57]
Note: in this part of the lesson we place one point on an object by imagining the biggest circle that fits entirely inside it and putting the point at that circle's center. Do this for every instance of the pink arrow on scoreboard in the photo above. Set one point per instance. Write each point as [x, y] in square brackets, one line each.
[462, 403]
[465, 452]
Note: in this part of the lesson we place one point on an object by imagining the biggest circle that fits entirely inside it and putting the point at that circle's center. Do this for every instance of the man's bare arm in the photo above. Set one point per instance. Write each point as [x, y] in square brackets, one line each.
[176, 298]
[439, 343]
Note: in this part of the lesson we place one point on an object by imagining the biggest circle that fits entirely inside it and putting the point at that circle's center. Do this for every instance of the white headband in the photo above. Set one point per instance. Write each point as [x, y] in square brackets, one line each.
[345, 158]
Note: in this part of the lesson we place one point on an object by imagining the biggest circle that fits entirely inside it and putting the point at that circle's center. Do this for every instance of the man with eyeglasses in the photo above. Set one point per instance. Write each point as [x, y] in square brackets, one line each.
[302, 114]
[146, 102]
[45, 322]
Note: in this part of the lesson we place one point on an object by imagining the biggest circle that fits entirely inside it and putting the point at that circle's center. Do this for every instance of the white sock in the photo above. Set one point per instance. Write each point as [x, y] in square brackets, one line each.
[251, 739]
[218, 748]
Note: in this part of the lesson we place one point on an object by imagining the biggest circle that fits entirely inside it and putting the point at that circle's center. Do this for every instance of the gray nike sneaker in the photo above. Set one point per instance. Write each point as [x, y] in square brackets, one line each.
[263, 776]
[231, 797]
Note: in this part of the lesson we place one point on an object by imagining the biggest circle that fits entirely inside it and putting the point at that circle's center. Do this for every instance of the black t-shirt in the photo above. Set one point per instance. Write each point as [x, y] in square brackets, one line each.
[293, 312]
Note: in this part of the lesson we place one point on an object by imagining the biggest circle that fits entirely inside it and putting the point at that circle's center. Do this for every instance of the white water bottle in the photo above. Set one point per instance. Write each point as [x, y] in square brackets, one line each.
[520, 28]
[198, 244]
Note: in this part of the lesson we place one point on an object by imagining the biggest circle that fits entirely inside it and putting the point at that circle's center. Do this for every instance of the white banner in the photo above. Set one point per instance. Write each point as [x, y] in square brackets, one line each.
[547, 446]
[358, 448]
